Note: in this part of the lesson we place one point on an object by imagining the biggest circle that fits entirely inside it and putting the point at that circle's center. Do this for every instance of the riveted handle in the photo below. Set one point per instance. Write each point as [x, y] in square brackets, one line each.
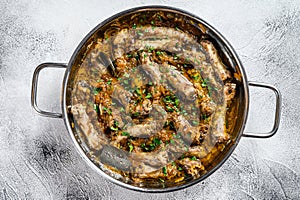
[277, 112]
[34, 89]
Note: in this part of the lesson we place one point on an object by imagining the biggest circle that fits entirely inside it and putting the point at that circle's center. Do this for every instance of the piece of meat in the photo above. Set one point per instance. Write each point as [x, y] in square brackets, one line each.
[192, 167]
[171, 78]
[197, 151]
[218, 128]
[229, 92]
[121, 95]
[159, 38]
[185, 130]
[148, 162]
[216, 60]
[208, 107]
[114, 157]
[94, 136]
[152, 72]
[158, 115]
[180, 84]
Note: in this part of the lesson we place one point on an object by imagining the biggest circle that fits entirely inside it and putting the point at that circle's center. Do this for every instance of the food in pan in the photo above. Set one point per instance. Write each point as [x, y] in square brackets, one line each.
[152, 101]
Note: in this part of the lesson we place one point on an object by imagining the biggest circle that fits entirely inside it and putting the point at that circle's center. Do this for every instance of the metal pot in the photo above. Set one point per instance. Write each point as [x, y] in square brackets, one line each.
[229, 53]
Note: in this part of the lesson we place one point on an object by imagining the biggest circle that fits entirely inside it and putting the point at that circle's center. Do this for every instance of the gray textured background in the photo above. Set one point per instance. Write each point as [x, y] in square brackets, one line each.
[37, 157]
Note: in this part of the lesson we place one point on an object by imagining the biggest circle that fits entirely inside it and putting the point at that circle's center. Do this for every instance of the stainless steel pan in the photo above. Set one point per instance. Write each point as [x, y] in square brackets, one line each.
[229, 53]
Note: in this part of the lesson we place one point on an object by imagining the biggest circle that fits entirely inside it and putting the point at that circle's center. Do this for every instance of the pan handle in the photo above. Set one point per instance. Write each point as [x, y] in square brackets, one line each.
[277, 111]
[34, 89]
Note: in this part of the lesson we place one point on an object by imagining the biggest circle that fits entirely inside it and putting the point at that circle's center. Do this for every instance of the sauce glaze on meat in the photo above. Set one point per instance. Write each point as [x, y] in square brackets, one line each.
[152, 101]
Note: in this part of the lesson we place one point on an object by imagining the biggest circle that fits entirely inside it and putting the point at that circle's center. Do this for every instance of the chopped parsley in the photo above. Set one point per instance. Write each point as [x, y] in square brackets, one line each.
[204, 83]
[97, 90]
[196, 77]
[107, 110]
[130, 147]
[155, 142]
[125, 133]
[193, 158]
[172, 141]
[164, 170]
[195, 123]
[96, 108]
[159, 17]
[113, 128]
[148, 96]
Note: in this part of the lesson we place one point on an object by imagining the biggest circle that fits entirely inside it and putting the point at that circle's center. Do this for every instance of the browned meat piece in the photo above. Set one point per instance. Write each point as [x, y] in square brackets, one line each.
[186, 131]
[152, 72]
[121, 96]
[97, 67]
[115, 157]
[192, 167]
[148, 162]
[159, 38]
[216, 60]
[95, 137]
[197, 151]
[181, 84]
[166, 75]
[201, 134]
[218, 125]
[207, 107]
[158, 115]
[229, 92]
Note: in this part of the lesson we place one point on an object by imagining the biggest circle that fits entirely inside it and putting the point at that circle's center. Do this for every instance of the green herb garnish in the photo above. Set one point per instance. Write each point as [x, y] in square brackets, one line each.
[172, 141]
[169, 109]
[113, 128]
[159, 17]
[126, 82]
[130, 147]
[164, 170]
[125, 133]
[195, 123]
[148, 96]
[204, 83]
[97, 90]
[96, 108]
[157, 141]
[193, 158]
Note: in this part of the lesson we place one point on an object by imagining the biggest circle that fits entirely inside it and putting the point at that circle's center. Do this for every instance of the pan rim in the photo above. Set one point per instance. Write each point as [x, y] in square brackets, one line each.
[220, 37]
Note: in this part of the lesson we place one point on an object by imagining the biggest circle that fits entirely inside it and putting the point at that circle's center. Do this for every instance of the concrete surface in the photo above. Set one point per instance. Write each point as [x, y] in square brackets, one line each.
[37, 157]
